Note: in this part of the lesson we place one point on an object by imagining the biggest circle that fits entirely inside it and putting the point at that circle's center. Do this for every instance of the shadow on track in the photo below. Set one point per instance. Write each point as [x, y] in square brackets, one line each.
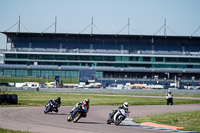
[90, 123]
[127, 125]
[56, 114]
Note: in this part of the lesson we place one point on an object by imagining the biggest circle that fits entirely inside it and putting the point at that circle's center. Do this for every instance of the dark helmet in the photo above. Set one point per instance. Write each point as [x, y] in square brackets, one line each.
[58, 99]
[87, 101]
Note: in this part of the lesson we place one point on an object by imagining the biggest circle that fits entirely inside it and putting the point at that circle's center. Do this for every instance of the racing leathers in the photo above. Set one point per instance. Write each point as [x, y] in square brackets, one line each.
[55, 104]
[169, 98]
[113, 113]
[84, 106]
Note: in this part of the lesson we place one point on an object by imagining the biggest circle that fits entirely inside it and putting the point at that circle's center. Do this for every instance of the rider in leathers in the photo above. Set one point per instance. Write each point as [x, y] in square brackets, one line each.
[124, 106]
[169, 97]
[85, 106]
[56, 104]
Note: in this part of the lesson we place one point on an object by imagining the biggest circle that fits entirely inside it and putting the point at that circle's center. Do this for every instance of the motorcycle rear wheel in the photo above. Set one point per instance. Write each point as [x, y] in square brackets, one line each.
[77, 117]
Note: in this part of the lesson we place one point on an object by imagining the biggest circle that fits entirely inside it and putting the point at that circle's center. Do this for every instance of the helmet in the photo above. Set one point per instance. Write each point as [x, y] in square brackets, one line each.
[58, 99]
[87, 101]
[125, 105]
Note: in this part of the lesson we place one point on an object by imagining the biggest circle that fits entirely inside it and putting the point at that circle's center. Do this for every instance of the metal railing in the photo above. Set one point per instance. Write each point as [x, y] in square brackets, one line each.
[105, 51]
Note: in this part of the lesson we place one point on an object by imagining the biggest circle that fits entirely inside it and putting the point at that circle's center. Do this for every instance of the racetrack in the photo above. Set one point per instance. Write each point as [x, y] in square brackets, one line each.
[34, 120]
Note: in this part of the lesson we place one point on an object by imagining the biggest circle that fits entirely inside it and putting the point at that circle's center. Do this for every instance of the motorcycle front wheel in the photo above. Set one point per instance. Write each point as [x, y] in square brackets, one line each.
[119, 119]
[69, 118]
[109, 121]
[46, 110]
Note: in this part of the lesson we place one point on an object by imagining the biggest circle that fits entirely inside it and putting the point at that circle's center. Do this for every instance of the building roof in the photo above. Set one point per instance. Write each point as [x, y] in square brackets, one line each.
[121, 36]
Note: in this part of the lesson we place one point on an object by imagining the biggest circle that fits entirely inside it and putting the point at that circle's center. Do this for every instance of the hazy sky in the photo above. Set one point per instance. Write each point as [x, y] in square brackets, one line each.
[110, 16]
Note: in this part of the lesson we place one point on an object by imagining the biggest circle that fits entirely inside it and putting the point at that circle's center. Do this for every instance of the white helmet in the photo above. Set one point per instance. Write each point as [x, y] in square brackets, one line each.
[125, 105]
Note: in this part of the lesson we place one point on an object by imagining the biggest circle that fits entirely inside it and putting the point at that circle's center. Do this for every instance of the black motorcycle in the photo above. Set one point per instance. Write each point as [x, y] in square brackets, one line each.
[169, 101]
[76, 114]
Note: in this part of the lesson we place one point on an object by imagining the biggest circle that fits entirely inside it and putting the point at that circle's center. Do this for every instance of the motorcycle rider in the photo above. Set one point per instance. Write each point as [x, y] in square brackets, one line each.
[85, 106]
[124, 106]
[169, 97]
[56, 104]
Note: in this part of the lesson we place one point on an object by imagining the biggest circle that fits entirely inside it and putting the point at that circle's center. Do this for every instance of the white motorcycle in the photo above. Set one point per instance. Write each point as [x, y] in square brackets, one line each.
[117, 116]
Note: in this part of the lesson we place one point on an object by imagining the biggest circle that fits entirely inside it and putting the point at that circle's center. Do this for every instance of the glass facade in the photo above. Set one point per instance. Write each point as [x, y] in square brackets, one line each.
[99, 75]
[104, 60]
[39, 73]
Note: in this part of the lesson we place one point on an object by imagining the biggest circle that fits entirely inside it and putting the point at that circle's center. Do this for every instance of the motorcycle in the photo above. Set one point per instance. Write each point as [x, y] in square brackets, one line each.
[76, 114]
[169, 100]
[50, 107]
[117, 116]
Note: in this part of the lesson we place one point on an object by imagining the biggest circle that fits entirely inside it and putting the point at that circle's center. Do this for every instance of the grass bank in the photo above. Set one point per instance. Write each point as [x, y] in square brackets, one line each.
[32, 98]
[10, 131]
[149, 94]
[189, 120]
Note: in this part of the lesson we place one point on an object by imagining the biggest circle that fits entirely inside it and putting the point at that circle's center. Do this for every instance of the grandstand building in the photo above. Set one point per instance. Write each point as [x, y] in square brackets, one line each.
[101, 57]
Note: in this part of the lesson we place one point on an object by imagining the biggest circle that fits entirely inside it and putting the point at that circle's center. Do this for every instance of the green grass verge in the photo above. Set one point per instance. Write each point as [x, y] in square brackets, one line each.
[149, 94]
[189, 120]
[32, 98]
[7, 79]
[159, 94]
[10, 131]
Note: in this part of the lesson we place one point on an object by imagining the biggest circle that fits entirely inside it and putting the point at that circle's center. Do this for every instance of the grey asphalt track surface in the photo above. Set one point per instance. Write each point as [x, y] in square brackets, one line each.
[34, 120]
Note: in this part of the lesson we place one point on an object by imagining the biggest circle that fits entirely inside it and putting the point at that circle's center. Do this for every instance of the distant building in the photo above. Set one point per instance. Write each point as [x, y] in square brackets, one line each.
[134, 58]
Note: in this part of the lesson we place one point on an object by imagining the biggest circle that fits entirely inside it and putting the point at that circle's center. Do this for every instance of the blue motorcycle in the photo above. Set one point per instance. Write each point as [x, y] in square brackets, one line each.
[50, 107]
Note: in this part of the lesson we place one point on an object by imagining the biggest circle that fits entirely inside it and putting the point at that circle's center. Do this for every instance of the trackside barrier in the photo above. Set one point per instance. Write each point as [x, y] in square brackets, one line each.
[8, 99]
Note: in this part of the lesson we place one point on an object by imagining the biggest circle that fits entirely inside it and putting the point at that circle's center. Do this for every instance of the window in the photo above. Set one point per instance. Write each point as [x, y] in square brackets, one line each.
[84, 57]
[146, 58]
[71, 57]
[60, 57]
[183, 59]
[159, 59]
[109, 58]
[118, 58]
[97, 58]
[10, 56]
[171, 59]
[21, 73]
[125, 58]
[195, 60]
[22, 56]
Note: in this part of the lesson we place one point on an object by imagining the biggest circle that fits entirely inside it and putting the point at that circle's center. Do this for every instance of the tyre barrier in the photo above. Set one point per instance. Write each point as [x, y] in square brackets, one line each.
[6, 99]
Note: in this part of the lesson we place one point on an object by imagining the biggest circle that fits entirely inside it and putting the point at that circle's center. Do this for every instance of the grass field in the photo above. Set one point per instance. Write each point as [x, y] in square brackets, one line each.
[10, 131]
[31, 98]
[149, 94]
[189, 120]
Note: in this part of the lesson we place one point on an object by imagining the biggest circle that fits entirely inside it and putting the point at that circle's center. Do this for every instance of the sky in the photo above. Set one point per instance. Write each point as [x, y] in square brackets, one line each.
[146, 17]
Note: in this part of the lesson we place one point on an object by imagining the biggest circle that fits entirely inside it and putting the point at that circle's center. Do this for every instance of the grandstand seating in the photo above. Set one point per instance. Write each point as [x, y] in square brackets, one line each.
[113, 44]
[127, 49]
